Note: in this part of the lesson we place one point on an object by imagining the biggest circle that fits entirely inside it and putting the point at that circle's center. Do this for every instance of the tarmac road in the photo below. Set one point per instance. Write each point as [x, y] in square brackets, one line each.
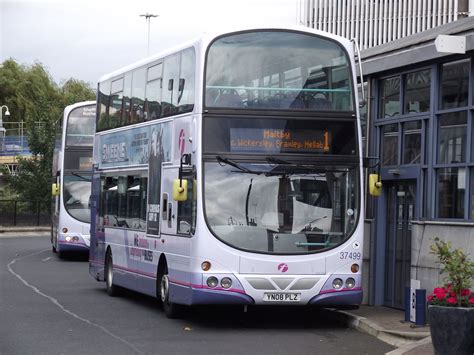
[53, 306]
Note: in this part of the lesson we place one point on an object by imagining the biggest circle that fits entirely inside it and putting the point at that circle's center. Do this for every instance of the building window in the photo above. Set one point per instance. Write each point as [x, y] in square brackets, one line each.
[417, 92]
[451, 190]
[452, 138]
[390, 145]
[454, 84]
[412, 143]
[390, 97]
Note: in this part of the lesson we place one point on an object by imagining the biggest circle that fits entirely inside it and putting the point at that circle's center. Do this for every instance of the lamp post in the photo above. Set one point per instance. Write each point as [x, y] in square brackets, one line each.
[147, 17]
[2, 129]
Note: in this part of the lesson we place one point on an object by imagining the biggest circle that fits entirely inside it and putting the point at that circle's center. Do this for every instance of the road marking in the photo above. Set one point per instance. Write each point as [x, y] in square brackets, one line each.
[46, 259]
[60, 306]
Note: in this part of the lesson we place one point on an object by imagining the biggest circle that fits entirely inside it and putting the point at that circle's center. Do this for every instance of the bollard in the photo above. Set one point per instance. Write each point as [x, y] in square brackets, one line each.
[420, 307]
[407, 303]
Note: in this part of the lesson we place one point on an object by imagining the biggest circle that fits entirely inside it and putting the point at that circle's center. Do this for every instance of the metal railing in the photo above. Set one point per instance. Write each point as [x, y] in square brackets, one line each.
[25, 213]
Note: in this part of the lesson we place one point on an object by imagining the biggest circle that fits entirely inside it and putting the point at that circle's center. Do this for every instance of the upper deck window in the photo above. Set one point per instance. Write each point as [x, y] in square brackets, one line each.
[278, 70]
[81, 127]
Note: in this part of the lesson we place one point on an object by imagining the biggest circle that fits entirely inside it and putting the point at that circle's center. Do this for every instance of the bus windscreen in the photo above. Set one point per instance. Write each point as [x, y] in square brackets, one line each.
[278, 70]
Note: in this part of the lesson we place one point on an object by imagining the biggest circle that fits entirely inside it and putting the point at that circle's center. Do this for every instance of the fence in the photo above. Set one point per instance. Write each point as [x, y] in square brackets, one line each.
[25, 213]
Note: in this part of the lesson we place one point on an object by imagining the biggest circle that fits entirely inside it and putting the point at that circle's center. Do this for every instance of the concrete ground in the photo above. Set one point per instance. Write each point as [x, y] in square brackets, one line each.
[385, 323]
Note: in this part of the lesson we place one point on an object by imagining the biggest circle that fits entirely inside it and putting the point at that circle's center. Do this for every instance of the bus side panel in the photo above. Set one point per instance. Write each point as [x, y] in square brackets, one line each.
[97, 243]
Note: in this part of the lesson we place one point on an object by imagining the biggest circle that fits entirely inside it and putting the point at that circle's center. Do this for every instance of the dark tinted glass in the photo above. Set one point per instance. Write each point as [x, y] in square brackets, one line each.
[454, 84]
[417, 91]
[452, 138]
[390, 145]
[451, 189]
[273, 136]
[390, 97]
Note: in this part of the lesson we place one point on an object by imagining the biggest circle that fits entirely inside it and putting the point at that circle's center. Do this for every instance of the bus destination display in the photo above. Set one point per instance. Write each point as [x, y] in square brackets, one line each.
[262, 140]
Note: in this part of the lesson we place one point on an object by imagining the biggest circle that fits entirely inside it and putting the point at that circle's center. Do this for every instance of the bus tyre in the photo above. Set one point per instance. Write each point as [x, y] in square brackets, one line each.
[172, 310]
[53, 242]
[112, 290]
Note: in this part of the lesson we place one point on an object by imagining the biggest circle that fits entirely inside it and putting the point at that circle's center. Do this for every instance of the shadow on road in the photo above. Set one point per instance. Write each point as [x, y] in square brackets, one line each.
[228, 317]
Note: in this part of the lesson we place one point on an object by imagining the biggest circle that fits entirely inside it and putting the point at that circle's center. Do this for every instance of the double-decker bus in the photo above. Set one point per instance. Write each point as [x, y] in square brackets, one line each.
[228, 171]
[72, 170]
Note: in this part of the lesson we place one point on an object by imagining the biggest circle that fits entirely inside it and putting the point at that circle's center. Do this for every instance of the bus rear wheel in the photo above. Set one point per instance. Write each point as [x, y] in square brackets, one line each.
[172, 310]
[112, 290]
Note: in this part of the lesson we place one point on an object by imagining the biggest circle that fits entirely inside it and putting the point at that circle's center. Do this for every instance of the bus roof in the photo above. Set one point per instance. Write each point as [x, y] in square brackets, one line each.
[204, 39]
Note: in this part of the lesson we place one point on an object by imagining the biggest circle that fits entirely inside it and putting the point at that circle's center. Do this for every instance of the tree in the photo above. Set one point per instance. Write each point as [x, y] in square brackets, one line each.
[33, 97]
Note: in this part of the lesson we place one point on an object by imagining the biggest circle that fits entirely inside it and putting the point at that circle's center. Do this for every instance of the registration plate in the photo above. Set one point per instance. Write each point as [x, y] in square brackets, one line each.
[281, 297]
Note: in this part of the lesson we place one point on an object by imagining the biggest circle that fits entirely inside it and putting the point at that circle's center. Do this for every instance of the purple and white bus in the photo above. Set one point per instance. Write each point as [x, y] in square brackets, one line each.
[229, 171]
[72, 168]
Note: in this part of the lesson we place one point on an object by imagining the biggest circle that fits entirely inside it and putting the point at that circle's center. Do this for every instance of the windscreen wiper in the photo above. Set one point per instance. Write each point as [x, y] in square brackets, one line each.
[310, 167]
[226, 161]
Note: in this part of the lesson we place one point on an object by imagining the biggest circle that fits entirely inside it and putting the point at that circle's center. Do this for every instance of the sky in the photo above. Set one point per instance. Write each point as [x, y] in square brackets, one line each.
[85, 39]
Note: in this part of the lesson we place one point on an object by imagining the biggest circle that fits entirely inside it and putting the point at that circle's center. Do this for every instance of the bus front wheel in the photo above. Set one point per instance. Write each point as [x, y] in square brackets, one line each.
[172, 310]
[109, 276]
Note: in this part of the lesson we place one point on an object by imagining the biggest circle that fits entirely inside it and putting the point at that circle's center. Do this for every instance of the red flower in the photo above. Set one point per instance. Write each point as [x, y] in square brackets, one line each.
[471, 300]
[452, 300]
[465, 292]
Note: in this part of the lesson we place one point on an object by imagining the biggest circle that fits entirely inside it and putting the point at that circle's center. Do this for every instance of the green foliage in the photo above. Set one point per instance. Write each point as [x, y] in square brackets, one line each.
[456, 265]
[34, 98]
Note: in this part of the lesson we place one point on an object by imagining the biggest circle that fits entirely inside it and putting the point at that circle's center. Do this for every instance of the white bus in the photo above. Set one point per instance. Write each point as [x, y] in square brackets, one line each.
[228, 171]
[72, 168]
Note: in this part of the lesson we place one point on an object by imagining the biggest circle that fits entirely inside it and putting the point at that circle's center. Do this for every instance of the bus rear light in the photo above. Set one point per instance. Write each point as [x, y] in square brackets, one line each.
[206, 266]
[355, 268]
[65, 230]
[337, 284]
[212, 282]
[226, 282]
[350, 283]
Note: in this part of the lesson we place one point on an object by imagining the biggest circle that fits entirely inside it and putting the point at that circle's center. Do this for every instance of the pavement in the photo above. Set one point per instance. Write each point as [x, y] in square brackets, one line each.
[386, 324]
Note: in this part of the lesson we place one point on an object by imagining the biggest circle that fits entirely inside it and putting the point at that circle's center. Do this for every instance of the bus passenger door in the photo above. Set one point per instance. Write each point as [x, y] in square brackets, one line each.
[176, 247]
[167, 205]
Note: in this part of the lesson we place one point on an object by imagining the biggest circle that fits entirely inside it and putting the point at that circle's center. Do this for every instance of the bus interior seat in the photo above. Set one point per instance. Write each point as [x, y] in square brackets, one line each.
[228, 100]
[320, 104]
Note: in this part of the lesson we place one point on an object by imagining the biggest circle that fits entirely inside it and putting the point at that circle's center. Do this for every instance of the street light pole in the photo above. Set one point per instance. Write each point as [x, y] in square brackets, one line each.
[2, 129]
[147, 17]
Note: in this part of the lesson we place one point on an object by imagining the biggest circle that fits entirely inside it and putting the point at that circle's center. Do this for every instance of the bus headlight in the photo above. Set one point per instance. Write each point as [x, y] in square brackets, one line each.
[68, 238]
[337, 284]
[212, 282]
[350, 283]
[75, 239]
[65, 230]
[226, 282]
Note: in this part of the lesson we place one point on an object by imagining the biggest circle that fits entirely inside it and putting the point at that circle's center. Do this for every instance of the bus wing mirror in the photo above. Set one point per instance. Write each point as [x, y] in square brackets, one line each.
[375, 185]
[181, 84]
[55, 189]
[180, 190]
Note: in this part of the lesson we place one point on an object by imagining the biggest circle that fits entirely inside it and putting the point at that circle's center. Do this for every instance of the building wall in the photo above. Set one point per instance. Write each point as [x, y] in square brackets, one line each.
[423, 264]
[375, 22]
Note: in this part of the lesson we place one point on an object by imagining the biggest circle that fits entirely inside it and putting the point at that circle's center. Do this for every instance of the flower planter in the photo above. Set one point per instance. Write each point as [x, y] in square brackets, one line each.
[452, 329]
